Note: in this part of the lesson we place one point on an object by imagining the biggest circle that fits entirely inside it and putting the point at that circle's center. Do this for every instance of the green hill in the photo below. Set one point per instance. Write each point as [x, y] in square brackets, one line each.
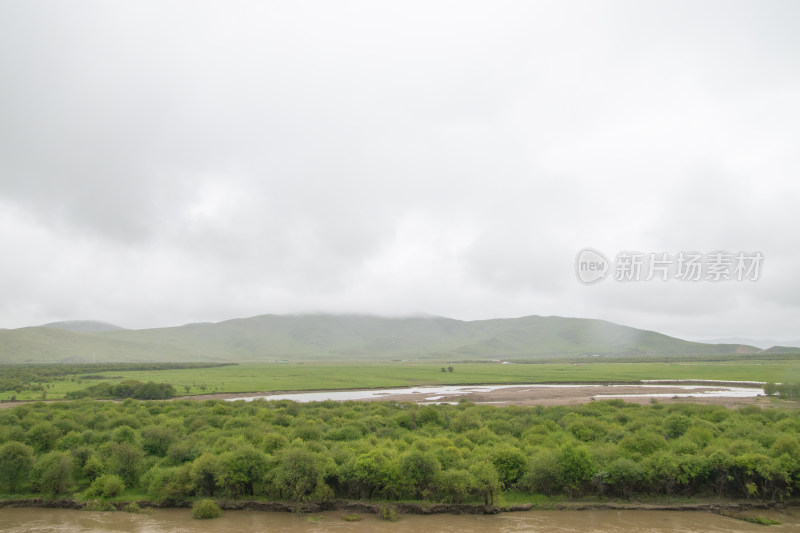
[83, 325]
[782, 350]
[349, 337]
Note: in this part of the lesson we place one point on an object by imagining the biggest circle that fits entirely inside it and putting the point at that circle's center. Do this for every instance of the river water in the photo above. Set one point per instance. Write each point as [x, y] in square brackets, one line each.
[435, 393]
[180, 521]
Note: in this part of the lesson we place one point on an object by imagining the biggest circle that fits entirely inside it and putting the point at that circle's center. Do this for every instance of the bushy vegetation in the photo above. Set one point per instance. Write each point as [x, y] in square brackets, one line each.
[205, 509]
[107, 486]
[126, 389]
[183, 450]
[789, 391]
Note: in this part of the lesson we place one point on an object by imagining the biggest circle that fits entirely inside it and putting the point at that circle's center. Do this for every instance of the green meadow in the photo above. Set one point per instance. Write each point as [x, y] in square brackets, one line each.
[259, 377]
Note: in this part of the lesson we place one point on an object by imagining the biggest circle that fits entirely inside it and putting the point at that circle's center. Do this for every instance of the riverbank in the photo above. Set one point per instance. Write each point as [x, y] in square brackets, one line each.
[414, 508]
[38, 520]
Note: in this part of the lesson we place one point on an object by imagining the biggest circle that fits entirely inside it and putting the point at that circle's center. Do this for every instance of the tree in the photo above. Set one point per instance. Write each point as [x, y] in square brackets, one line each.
[676, 425]
[664, 471]
[241, 469]
[770, 389]
[486, 481]
[364, 473]
[156, 440]
[509, 463]
[43, 436]
[52, 474]
[205, 473]
[455, 485]
[125, 460]
[107, 486]
[171, 484]
[450, 369]
[429, 415]
[16, 460]
[93, 468]
[419, 471]
[575, 468]
[300, 472]
[625, 475]
[718, 466]
[542, 473]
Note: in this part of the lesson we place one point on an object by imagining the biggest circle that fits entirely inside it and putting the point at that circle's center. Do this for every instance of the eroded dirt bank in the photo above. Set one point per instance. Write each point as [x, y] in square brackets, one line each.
[422, 508]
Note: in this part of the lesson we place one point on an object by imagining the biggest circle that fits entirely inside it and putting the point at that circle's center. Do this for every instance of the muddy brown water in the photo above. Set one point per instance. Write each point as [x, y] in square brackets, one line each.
[180, 521]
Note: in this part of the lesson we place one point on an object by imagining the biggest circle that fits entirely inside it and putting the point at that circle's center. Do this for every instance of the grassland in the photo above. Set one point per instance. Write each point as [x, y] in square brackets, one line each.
[298, 376]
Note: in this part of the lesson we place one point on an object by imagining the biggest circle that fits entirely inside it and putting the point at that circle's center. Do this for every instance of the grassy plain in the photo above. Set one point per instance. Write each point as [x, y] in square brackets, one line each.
[258, 377]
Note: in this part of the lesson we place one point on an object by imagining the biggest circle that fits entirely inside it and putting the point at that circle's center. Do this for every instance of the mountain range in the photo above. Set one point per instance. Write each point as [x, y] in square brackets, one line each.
[333, 337]
[758, 343]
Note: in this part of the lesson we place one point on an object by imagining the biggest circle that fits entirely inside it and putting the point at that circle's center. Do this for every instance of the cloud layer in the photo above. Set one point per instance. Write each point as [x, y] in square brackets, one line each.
[162, 163]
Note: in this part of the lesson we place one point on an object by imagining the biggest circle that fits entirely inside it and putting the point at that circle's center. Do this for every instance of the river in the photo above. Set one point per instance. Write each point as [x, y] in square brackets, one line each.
[512, 392]
[180, 521]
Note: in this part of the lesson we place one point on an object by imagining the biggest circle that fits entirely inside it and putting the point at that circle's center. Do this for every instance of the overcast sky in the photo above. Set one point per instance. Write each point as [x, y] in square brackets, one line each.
[172, 162]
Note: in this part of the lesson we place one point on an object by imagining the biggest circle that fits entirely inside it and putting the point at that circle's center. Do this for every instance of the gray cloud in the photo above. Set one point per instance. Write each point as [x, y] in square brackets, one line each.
[166, 163]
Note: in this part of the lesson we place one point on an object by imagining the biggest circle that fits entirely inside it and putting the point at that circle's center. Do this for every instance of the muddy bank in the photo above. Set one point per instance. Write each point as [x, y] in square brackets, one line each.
[288, 507]
[414, 508]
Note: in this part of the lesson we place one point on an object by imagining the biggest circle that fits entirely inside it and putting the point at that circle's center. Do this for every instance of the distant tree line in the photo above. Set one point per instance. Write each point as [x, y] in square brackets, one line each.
[32, 377]
[788, 391]
[183, 450]
[128, 388]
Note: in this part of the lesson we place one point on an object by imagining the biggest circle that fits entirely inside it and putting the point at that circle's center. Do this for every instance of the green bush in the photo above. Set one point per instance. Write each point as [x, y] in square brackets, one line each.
[205, 509]
[16, 461]
[52, 474]
[107, 486]
[96, 506]
[380, 451]
[129, 388]
[389, 513]
[133, 507]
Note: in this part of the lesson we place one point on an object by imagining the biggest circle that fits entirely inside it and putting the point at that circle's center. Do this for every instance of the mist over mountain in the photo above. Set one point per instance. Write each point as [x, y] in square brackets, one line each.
[92, 326]
[331, 337]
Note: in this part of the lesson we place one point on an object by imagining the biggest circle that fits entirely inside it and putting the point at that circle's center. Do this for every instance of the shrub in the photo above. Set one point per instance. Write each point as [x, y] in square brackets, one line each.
[133, 507]
[16, 461]
[169, 484]
[205, 509]
[96, 506]
[52, 474]
[389, 513]
[107, 486]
